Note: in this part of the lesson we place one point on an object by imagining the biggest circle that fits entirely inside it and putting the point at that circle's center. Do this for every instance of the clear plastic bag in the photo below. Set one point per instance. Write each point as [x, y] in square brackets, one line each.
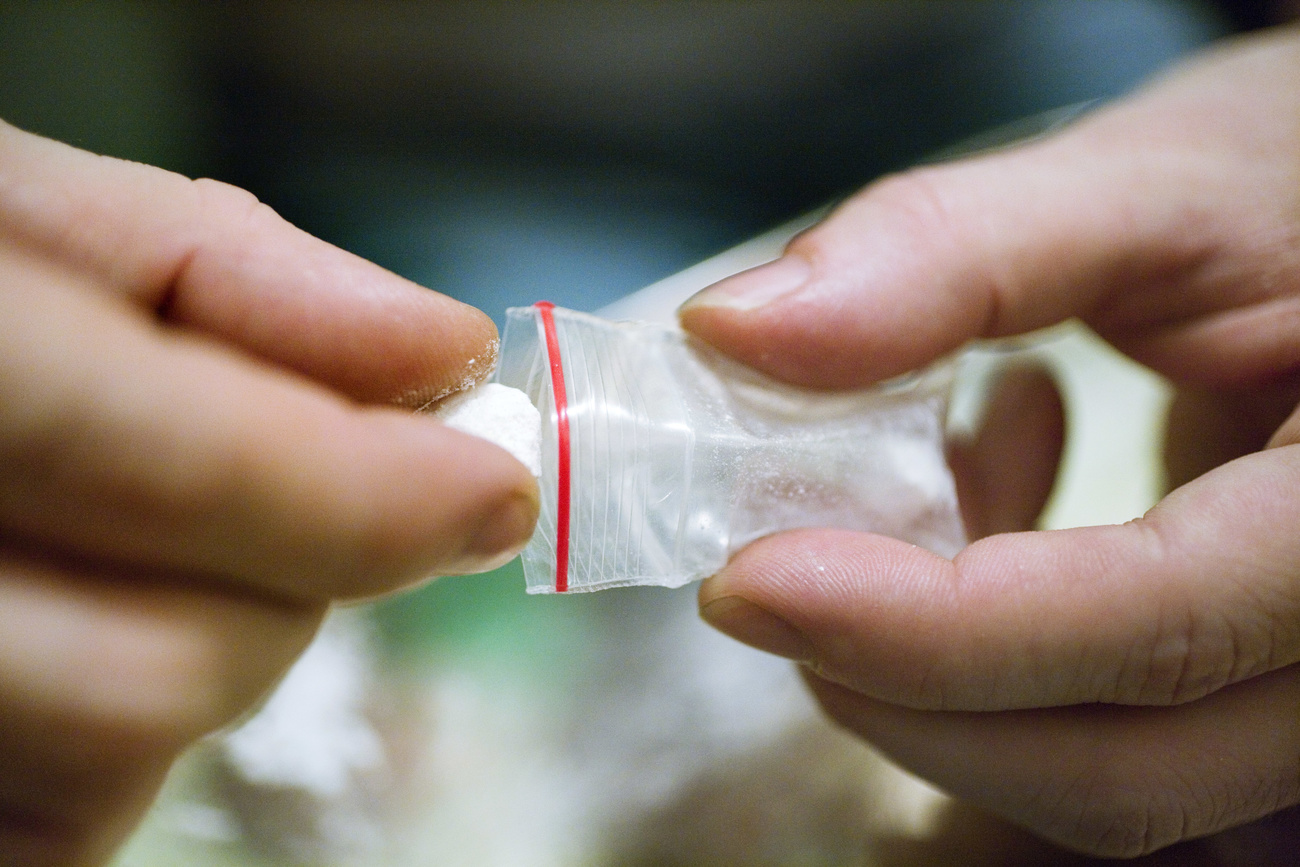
[663, 457]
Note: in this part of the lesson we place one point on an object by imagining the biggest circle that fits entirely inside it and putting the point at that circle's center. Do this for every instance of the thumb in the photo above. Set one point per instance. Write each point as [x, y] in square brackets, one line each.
[1158, 220]
[913, 267]
[1198, 594]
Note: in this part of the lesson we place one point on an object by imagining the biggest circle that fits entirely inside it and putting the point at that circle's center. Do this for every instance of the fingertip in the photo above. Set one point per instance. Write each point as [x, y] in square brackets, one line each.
[444, 503]
[856, 607]
[221, 263]
[887, 283]
[751, 289]
[504, 530]
[729, 315]
[756, 626]
[455, 350]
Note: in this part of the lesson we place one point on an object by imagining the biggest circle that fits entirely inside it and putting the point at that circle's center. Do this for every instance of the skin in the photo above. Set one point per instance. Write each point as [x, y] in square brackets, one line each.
[1114, 689]
[205, 439]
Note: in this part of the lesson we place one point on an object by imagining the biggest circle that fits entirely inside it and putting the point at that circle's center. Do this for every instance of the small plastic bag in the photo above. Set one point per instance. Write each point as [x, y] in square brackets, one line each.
[661, 458]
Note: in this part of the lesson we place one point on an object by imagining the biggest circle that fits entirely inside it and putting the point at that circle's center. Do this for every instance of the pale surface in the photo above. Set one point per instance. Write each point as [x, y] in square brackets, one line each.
[501, 415]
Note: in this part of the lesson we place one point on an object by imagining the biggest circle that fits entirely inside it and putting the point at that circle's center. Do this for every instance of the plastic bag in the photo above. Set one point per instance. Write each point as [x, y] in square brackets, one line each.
[661, 457]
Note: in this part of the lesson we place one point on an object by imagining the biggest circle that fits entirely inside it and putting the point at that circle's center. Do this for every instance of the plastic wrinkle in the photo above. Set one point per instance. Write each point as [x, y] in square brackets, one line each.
[661, 457]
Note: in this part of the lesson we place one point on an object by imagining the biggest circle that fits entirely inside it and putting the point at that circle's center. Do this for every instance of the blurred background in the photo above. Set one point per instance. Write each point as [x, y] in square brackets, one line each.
[503, 152]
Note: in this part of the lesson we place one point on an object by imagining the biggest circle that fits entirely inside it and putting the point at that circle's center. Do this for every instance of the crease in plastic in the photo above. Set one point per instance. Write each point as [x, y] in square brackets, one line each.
[680, 456]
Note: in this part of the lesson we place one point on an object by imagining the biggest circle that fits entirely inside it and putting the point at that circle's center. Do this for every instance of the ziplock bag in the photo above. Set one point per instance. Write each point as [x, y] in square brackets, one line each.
[661, 457]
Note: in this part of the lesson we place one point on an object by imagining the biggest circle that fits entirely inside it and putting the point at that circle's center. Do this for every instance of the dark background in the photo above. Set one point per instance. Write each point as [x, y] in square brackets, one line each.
[506, 151]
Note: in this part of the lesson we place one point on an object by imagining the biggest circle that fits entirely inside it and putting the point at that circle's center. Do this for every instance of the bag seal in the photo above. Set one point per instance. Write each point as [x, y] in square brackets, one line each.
[544, 310]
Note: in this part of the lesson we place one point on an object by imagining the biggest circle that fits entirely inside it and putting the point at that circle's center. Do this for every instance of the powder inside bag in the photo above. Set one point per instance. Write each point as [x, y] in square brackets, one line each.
[501, 415]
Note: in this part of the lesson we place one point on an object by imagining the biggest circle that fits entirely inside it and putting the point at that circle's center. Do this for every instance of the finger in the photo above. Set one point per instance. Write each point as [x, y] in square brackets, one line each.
[1198, 594]
[1005, 470]
[208, 256]
[1111, 781]
[157, 448]
[104, 677]
[1168, 222]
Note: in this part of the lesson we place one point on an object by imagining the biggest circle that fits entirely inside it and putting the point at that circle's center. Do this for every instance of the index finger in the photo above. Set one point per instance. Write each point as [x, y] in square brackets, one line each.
[210, 257]
[1167, 222]
[140, 445]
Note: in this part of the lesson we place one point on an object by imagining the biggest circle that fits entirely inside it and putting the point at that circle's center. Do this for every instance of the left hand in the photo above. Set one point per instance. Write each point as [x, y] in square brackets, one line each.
[1114, 689]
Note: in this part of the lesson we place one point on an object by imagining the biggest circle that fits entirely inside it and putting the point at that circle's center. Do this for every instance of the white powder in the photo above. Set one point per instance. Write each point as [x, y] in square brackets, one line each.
[501, 415]
[313, 733]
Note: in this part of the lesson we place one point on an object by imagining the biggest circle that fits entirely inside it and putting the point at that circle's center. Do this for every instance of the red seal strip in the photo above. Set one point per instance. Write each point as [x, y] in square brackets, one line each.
[544, 309]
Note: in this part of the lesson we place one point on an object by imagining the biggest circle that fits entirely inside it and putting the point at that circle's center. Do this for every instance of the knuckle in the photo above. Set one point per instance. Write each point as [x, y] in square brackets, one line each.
[920, 201]
[919, 196]
[1172, 671]
[221, 198]
[1199, 644]
[1192, 656]
[1115, 816]
[223, 207]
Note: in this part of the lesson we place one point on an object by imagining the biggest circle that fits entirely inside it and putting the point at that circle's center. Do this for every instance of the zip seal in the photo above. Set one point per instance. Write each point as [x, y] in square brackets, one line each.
[545, 309]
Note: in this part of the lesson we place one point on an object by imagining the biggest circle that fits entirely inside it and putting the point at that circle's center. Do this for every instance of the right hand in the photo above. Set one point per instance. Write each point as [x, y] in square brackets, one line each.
[201, 446]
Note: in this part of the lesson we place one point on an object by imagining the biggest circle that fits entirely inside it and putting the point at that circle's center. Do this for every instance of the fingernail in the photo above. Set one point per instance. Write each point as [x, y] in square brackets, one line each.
[501, 536]
[757, 627]
[751, 289]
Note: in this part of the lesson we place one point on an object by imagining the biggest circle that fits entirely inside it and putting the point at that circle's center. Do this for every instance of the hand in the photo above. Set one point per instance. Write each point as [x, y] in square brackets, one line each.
[1114, 689]
[201, 446]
